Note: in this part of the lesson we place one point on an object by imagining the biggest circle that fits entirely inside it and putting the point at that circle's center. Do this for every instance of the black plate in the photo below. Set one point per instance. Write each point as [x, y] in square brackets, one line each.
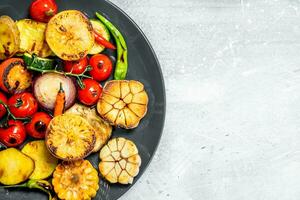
[143, 66]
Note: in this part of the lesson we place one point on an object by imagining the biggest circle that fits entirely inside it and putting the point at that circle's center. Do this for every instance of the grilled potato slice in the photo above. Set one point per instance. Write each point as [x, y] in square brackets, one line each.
[70, 35]
[102, 129]
[44, 162]
[123, 103]
[120, 161]
[15, 167]
[9, 37]
[76, 180]
[32, 35]
[70, 137]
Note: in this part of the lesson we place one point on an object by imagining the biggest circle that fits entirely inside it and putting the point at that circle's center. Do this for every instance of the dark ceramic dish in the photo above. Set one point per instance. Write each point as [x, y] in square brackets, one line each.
[143, 66]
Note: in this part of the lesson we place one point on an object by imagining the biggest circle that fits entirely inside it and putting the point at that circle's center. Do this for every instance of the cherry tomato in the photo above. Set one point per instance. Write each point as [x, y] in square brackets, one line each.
[89, 95]
[14, 134]
[76, 67]
[38, 125]
[2, 108]
[43, 10]
[101, 67]
[22, 105]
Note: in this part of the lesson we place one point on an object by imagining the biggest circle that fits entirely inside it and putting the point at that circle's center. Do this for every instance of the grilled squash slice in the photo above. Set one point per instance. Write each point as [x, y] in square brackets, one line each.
[70, 137]
[15, 167]
[32, 35]
[102, 30]
[102, 129]
[44, 162]
[76, 180]
[9, 37]
[123, 103]
[70, 35]
[120, 161]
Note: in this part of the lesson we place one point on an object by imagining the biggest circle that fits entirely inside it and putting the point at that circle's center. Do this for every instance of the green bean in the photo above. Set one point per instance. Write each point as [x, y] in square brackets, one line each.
[122, 52]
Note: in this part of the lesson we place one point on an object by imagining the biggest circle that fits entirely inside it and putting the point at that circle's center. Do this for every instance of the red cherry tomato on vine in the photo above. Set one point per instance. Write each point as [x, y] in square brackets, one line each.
[37, 127]
[101, 67]
[22, 105]
[90, 94]
[76, 67]
[2, 108]
[14, 134]
[43, 10]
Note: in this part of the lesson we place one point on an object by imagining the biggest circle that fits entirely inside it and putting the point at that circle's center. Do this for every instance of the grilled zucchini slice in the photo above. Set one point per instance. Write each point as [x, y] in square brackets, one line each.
[70, 35]
[9, 37]
[102, 30]
[32, 35]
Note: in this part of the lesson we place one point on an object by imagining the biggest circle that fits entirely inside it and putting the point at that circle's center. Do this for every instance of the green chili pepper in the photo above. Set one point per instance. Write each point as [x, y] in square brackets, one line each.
[122, 63]
[42, 185]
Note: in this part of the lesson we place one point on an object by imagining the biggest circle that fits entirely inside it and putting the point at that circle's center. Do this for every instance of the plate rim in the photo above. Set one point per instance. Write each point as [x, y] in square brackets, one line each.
[163, 91]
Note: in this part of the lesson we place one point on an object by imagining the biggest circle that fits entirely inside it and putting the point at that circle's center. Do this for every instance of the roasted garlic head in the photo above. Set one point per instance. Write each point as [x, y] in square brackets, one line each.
[120, 161]
[123, 103]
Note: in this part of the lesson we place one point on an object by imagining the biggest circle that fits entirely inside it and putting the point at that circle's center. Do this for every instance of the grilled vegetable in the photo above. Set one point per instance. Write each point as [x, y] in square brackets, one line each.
[32, 34]
[47, 86]
[38, 62]
[75, 180]
[37, 127]
[76, 67]
[123, 103]
[42, 185]
[70, 137]
[44, 162]
[42, 10]
[102, 129]
[22, 105]
[14, 134]
[122, 63]
[101, 30]
[14, 77]
[101, 67]
[15, 167]
[60, 101]
[10, 37]
[70, 35]
[3, 99]
[120, 161]
[90, 92]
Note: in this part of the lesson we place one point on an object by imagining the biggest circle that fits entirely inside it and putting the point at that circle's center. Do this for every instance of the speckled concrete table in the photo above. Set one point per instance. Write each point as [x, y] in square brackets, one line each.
[232, 74]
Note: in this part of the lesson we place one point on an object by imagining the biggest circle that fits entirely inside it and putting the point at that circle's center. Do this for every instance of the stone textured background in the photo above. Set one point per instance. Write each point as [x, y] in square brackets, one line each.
[232, 74]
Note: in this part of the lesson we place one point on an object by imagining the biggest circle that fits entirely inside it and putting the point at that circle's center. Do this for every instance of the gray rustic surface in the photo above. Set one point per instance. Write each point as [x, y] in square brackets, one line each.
[232, 74]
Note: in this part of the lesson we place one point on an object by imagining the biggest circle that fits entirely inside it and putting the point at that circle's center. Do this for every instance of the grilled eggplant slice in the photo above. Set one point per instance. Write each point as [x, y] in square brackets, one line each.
[9, 37]
[76, 180]
[70, 35]
[44, 162]
[123, 103]
[120, 161]
[102, 129]
[70, 137]
[32, 35]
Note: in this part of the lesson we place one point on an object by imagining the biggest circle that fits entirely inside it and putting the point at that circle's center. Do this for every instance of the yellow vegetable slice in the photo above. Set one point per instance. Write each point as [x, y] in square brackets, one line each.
[32, 35]
[44, 162]
[9, 37]
[102, 129]
[70, 35]
[15, 167]
[70, 137]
